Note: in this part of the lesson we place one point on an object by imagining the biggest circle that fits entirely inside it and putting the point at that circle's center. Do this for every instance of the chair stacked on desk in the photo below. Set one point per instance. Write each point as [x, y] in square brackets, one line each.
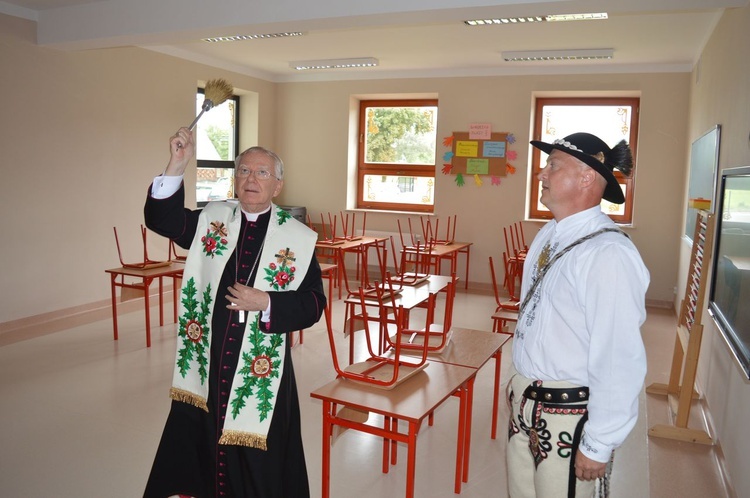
[514, 257]
[333, 247]
[419, 253]
[434, 335]
[386, 368]
[134, 280]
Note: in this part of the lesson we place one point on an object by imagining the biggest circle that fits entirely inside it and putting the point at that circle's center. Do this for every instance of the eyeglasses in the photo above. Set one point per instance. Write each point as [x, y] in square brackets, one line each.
[259, 174]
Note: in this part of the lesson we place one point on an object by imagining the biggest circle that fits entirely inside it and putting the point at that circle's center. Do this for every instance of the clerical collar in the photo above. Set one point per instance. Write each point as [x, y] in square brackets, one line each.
[255, 216]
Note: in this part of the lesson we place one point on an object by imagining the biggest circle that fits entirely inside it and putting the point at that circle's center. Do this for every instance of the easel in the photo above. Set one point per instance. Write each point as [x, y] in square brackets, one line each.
[688, 342]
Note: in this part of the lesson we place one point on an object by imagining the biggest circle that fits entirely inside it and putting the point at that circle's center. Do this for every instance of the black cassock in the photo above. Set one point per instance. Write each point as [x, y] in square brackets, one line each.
[189, 460]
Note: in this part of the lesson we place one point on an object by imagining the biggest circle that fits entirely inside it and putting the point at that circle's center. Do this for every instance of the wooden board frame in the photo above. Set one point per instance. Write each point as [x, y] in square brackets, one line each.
[687, 347]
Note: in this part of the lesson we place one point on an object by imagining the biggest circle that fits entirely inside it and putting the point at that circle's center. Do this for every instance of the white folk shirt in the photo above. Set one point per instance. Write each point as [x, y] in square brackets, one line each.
[583, 324]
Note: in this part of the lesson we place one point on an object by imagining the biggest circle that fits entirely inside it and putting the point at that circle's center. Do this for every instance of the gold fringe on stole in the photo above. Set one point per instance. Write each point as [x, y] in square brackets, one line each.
[188, 397]
[239, 438]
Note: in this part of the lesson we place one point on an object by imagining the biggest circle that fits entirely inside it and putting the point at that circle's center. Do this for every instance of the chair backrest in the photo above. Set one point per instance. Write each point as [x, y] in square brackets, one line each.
[450, 298]
[396, 266]
[519, 232]
[495, 289]
[507, 241]
[388, 369]
[173, 255]
[431, 231]
[349, 227]
[419, 256]
[433, 337]
[146, 263]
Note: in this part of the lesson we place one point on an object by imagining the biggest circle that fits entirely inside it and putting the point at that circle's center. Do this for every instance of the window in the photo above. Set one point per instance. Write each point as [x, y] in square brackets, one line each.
[396, 162]
[216, 146]
[611, 119]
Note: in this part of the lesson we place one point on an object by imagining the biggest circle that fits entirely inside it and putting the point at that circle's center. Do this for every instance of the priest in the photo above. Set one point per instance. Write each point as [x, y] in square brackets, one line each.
[251, 278]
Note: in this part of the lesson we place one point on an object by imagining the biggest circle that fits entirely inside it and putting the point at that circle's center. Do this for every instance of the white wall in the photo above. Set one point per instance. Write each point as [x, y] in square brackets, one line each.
[315, 142]
[720, 94]
[81, 136]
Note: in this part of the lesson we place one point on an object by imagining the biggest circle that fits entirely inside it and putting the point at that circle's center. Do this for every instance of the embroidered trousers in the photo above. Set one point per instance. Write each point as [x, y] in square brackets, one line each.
[540, 444]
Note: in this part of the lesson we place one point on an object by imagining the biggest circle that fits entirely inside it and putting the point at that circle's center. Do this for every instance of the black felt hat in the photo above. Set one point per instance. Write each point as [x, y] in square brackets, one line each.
[593, 151]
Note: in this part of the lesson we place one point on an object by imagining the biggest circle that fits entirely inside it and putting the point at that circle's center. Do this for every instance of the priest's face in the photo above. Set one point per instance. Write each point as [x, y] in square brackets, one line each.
[255, 182]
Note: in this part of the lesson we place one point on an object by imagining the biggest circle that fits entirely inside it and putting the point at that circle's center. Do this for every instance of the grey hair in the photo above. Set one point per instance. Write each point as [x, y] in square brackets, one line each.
[278, 164]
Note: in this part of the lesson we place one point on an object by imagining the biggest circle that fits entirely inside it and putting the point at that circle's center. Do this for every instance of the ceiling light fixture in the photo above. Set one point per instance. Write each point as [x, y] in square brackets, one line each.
[334, 63]
[252, 37]
[531, 19]
[596, 16]
[558, 55]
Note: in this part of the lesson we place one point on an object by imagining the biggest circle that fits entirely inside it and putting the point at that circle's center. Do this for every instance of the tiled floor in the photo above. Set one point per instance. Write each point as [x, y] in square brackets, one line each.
[82, 416]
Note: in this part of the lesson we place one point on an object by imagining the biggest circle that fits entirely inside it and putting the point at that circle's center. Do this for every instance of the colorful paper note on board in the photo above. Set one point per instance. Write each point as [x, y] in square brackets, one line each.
[467, 148]
[480, 131]
[477, 166]
[493, 149]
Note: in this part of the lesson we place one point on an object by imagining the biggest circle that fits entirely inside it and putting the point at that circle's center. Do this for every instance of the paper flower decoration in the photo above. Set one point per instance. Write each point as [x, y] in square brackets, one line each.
[495, 180]
[511, 155]
[510, 138]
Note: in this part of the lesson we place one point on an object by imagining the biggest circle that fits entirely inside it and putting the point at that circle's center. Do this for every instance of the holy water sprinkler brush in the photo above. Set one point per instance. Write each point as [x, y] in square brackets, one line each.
[216, 92]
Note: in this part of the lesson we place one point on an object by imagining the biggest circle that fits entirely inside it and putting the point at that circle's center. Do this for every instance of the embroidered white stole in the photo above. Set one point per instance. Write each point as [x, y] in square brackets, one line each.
[284, 261]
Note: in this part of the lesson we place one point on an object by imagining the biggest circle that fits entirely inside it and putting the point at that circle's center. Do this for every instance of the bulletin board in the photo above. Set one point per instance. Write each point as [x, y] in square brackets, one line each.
[473, 156]
[478, 153]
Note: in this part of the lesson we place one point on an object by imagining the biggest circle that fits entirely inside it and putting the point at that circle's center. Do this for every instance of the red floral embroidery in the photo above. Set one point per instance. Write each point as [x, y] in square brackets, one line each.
[281, 273]
[215, 242]
[282, 278]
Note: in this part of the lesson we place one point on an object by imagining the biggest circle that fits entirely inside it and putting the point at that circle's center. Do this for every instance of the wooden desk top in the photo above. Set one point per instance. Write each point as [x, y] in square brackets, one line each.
[470, 348]
[350, 244]
[161, 271]
[442, 249]
[324, 267]
[411, 295]
[506, 314]
[412, 400]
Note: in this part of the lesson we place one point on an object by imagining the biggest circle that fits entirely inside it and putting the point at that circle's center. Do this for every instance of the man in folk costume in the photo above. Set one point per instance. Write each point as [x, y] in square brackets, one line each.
[251, 277]
[578, 357]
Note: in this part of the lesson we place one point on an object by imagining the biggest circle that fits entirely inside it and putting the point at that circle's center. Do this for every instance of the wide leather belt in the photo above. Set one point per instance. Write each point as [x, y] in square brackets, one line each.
[556, 394]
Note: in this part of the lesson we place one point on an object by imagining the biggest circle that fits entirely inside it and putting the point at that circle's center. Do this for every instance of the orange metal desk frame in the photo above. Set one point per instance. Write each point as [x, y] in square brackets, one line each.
[474, 348]
[412, 401]
[147, 276]
[410, 297]
[446, 251]
[360, 247]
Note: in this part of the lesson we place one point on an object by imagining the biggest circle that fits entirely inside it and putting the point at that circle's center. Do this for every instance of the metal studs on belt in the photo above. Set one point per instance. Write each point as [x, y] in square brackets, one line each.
[548, 396]
[582, 394]
[564, 396]
[533, 394]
